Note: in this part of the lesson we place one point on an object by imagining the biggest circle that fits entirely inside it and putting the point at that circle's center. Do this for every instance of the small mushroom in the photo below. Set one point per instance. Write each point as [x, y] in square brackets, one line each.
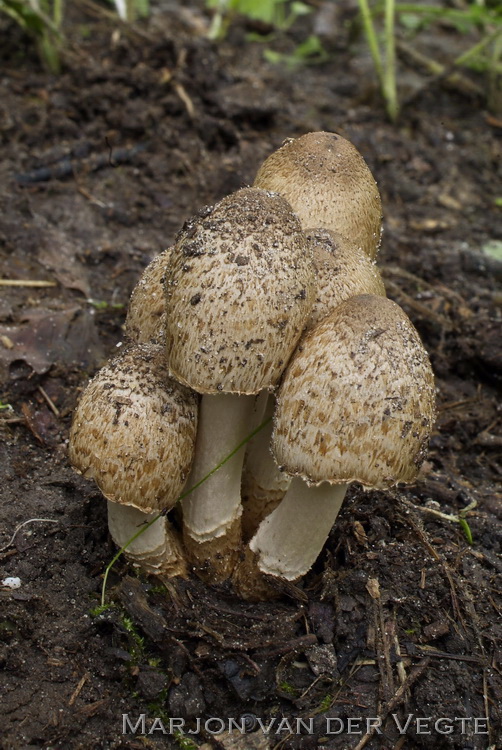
[328, 184]
[133, 432]
[356, 404]
[239, 288]
[146, 315]
[342, 269]
[157, 550]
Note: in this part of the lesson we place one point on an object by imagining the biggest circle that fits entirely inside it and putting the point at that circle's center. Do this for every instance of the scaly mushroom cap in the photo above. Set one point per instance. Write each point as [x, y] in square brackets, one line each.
[328, 184]
[134, 429]
[357, 399]
[343, 270]
[239, 290]
[145, 321]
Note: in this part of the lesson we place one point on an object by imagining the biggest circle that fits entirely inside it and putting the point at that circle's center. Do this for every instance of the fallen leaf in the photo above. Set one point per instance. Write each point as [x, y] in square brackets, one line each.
[44, 337]
[58, 253]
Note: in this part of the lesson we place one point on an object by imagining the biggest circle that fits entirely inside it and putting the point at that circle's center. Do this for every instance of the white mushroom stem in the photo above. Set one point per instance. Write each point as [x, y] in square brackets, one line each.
[289, 540]
[263, 485]
[156, 549]
[212, 509]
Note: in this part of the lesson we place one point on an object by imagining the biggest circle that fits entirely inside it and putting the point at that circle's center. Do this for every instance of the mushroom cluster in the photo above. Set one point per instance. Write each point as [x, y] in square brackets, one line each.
[268, 310]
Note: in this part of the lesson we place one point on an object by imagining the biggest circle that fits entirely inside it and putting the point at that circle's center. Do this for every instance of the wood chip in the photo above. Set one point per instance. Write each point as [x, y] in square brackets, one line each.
[78, 689]
[431, 225]
[373, 588]
[360, 533]
[436, 629]
[6, 342]
[448, 201]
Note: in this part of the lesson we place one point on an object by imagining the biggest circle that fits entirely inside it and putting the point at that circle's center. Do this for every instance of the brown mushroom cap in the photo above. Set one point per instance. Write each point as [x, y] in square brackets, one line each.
[357, 399]
[343, 270]
[239, 290]
[134, 429]
[145, 321]
[328, 184]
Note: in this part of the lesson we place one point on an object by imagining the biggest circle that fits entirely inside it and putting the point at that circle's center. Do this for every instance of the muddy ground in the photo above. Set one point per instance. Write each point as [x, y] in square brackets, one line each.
[99, 169]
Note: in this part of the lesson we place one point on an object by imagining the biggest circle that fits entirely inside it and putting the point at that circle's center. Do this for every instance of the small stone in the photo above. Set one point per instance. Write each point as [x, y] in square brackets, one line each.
[322, 660]
[186, 700]
[11, 582]
[151, 684]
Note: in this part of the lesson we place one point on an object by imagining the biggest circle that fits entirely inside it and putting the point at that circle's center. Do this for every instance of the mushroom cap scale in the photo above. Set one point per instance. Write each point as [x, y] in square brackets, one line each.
[134, 429]
[328, 184]
[239, 290]
[357, 399]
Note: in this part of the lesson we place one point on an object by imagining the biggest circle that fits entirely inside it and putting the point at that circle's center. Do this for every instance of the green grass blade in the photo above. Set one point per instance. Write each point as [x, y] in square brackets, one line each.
[390, 86]
[369, 30]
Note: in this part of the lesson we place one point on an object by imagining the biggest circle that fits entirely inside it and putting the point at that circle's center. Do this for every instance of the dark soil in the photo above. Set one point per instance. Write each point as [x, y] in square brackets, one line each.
[99, 169]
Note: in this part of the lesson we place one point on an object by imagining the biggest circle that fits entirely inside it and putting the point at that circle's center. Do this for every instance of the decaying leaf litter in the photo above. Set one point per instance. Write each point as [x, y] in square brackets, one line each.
[399, 596]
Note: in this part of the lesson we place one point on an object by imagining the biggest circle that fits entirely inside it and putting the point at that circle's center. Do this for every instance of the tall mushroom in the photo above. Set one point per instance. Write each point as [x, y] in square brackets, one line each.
[328, 184]
[342, 271]
[239, 289]
[356, 404]
[133, 432]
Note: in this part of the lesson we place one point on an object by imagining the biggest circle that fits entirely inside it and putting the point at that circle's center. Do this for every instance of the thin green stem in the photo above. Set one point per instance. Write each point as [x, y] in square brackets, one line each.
[369, 30]
[121, 551]
[130, 11]
[389, 83]
[454, 518]
[146, 526]
[386, 75]
[467, 530]
[217, 26]
[477, 48]
[494, 72]
[224, 460]
[57, 13]
[436, 10]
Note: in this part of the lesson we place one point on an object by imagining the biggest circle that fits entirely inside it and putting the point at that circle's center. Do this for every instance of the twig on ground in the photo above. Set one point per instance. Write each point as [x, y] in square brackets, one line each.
[24, 523]
[78, 689]
[401, 670]
[448, 516]
[414, 675]
[439, 73]
[182, 94]
[50, 403]
[382, 645]
[412, 520]
[29, 283]
[418, 307]
[431, 652]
